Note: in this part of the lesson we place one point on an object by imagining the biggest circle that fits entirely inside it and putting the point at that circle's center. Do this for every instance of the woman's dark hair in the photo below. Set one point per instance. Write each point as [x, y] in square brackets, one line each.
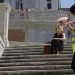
[72, 9]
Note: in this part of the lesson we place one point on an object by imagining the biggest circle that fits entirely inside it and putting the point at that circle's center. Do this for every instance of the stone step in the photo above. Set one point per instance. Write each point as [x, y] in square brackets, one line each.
[66, 52]
[32, 47]
[22, 51]
[21, 48]
[69, 48]
[26, 53]
[37, 56]
[39, 45]
[69, 45]
[41, 67]
[31, 53]
[29, 50]
[38, 59]
[39, 72]
[30, 60]
[68, 62]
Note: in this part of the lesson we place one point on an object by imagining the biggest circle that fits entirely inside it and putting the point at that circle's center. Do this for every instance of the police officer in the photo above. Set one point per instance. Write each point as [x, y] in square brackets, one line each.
[72, 10]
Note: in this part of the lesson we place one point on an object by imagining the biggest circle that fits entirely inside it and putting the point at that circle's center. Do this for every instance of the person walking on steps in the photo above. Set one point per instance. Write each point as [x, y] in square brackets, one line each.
[57, 42]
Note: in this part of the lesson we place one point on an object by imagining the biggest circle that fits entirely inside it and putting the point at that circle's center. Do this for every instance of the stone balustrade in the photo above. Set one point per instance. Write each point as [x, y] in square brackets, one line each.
[4, 21]
[2, 46]
[36, 15]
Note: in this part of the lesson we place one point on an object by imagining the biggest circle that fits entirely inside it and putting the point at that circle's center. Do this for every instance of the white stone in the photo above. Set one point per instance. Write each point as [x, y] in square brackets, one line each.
[4, 21]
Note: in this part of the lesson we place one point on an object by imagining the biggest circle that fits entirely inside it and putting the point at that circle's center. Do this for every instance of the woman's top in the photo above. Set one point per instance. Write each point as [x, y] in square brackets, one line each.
[59, 28]
[60, 36]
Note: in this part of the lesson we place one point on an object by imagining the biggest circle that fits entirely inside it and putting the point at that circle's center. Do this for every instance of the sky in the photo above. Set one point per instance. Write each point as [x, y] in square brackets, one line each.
[66, 3]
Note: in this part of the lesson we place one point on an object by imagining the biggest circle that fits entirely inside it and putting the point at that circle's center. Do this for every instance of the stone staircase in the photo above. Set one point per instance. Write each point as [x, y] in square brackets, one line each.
[30, 60]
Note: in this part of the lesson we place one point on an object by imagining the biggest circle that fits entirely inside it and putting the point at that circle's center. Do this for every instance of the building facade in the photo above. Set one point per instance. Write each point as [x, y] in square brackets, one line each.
[38, 4]
[36, 25]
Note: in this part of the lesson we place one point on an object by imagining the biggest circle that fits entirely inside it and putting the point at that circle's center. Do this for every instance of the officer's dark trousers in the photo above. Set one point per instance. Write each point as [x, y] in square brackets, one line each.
[73, 62]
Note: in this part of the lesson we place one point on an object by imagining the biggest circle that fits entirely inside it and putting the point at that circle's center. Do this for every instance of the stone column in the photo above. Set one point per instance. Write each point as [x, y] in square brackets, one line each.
[4, 21]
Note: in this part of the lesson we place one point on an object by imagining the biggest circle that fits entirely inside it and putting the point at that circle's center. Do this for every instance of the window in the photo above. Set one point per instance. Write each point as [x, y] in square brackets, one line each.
[49, 4]
[49, 0]
[19, 4]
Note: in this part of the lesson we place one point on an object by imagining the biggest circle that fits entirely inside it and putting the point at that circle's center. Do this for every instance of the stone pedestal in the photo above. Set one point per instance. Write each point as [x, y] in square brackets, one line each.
[4, 21]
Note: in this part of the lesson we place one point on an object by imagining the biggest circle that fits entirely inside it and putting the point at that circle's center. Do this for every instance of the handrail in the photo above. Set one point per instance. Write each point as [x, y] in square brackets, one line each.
[2, 44]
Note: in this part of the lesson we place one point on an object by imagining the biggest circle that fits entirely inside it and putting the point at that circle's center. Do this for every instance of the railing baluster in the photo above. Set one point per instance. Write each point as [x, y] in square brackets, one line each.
[36, 15]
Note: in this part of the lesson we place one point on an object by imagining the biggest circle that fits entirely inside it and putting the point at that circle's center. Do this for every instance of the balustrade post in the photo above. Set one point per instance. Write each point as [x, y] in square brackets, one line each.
[4, 20]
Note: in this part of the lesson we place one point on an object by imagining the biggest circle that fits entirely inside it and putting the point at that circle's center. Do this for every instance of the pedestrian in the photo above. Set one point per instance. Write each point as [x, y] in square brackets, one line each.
[69, 27]
[57, 42]
[72, 10]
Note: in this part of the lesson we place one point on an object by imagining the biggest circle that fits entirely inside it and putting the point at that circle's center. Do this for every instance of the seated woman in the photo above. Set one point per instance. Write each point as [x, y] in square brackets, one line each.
[58, 39]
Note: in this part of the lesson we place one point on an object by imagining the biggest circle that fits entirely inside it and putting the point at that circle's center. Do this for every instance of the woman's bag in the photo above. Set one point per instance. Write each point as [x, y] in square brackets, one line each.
[48, 49]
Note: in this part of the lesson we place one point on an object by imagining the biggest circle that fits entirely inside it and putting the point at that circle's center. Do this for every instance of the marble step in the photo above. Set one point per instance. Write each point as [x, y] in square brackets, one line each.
[31, 47]
[7, 49]
[31, 61]
[39, 72]
[32, 53]
[9, 63]
[41, 67]
[38, 59]
[30, 50]
[19, 54]
[23, 48]
[37, 56]
[22, 51]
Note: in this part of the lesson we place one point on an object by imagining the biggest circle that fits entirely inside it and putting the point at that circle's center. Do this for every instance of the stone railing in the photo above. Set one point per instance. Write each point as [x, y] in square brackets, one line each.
[36, 15]
[4, 20]
[19, 15]
[47, 15]
[2, 46]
